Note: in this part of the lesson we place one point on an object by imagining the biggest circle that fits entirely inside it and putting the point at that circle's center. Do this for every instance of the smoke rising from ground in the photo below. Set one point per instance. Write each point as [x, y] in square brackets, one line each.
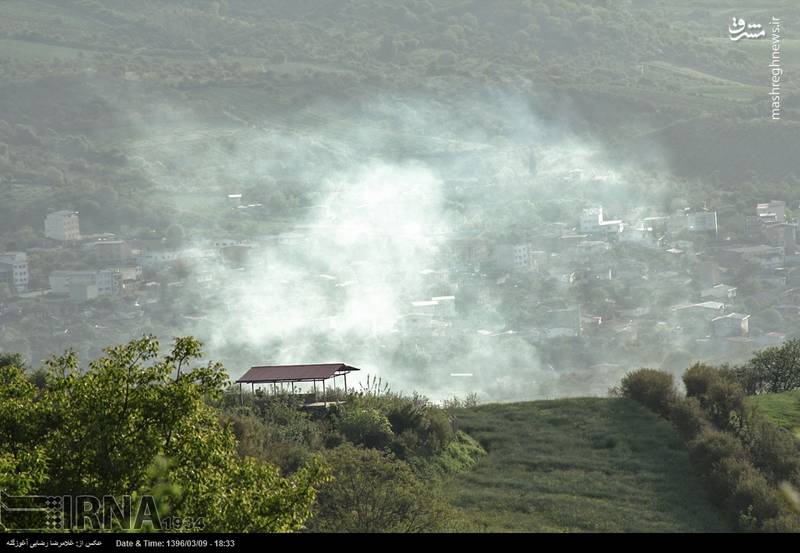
[338, 284]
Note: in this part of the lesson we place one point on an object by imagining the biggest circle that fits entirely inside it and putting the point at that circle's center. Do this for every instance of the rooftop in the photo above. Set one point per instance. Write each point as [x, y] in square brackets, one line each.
[736, 316]
[295, 373]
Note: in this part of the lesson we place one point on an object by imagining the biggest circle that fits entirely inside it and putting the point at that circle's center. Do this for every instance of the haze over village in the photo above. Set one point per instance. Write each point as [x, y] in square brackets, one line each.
[397, 266]
[384, 272]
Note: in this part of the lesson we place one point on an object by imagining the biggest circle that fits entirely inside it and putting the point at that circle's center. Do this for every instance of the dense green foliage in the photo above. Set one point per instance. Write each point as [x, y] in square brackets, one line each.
[389, 453]
[372, 491]
[653, 389]
[143, 424]
[771, 370]
[135, 423]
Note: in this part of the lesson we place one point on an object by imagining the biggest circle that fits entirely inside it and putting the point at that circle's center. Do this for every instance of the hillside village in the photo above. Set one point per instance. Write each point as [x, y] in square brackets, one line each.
[623, 290]
[410, 266]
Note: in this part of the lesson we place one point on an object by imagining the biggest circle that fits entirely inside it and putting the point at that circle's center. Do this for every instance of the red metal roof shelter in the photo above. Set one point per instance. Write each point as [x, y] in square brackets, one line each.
[278, 374]
[295, 373]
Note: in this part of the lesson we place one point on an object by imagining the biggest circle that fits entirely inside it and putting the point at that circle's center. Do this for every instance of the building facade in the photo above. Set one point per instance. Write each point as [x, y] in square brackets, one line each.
[14, 270]
[63, 226]
[106, 281]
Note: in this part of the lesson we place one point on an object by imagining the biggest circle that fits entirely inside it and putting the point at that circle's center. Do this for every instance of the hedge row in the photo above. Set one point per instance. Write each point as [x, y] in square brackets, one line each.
[743, 458]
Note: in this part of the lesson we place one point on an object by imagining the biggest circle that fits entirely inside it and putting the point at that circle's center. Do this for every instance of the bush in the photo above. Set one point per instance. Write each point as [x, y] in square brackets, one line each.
[725, 404]
[688, 417]
[374, 492]
[733, 482]
[365, 426]
[406, 415]
[711, 446]
[784, 523]
[750, 499]
[698, 378]
[773, 450]
[440, 430]
[653, 389]
[431, 426]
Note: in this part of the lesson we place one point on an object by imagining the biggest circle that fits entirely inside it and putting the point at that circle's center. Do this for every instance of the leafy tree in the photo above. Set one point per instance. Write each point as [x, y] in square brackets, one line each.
[772, 370]
[12, 360]
[22, 461]
[108, 430]
[374, 492]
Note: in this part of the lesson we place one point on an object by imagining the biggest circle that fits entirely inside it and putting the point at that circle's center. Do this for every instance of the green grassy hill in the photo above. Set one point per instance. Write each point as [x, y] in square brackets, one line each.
[596, 465]
[782, 409]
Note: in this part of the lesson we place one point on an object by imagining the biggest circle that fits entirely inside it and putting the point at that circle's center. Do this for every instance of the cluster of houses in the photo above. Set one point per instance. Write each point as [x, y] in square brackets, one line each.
[115, 266]
[684, 255]
[556, 276]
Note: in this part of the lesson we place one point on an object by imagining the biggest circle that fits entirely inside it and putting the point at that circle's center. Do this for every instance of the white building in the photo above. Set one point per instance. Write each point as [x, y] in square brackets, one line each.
[705, 311]
[512, 256]
[62, 225]
[106, 281]
[14, 270]
[773, 212]
[702, 221]
[641, 235]
[720, 292]
[81, 292]
[694, 221]
[592, 221]
[730, 325]
[157, 259]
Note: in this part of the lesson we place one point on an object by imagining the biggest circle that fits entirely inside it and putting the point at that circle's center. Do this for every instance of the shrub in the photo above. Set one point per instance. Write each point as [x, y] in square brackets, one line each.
[773, 450]
[406, 415]
[405, 445]
[440, 430]
[470, 400]
[725, 403]
[365, 426]
[374, 492]
[712, 446]
[688, 417]
[698, 378]
[431, 426]
[787, 521]
[751, 500]
[653, 389]
[733, 482]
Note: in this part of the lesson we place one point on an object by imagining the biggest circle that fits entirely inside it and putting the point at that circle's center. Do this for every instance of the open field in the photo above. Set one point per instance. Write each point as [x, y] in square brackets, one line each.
[596, 465]
[782, 409]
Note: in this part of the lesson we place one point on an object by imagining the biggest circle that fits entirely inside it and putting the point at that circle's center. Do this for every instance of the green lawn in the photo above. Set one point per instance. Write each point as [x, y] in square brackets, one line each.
[597, 465]
[782, 409]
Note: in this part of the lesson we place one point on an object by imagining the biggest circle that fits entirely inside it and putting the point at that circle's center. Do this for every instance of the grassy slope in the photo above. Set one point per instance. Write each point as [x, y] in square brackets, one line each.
[782, 409]
[604, 465]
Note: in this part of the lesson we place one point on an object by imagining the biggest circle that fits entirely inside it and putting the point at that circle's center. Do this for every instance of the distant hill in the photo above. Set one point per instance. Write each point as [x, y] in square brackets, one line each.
[596, 465]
